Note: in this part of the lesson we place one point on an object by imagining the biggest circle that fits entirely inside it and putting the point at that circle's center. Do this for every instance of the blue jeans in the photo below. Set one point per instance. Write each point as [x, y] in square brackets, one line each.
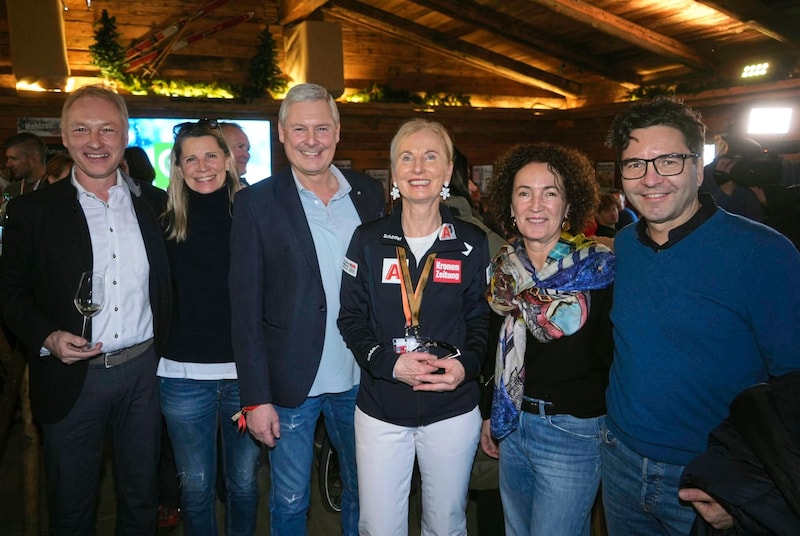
[292, 458]
[549, 474]
[194, 410]
[640, 495]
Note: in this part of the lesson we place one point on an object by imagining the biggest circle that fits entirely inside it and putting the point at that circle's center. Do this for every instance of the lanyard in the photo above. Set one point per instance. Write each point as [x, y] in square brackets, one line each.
[412, 297]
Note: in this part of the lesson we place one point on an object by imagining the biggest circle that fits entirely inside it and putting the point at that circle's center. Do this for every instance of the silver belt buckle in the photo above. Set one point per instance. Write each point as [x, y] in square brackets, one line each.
[112, 354]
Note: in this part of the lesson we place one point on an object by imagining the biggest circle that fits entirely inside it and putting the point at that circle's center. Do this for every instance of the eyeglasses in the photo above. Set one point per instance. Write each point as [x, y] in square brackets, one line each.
[190, 126]
[665, 165]
[436, 347]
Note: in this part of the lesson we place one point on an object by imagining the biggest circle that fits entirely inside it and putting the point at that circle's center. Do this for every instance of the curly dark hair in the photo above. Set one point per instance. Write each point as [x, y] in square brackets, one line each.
[662, 110]
[574, 168]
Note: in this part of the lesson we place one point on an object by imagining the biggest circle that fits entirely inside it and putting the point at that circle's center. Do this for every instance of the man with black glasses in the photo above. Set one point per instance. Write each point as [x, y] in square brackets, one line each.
[705, 305]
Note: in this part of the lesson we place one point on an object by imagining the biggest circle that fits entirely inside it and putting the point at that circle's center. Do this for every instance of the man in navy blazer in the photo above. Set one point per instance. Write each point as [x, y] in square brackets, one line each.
[99, 220]
[289, 237]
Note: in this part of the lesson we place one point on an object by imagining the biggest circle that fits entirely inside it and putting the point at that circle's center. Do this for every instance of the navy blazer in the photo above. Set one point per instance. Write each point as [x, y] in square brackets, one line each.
[46, 247]
[277, 299]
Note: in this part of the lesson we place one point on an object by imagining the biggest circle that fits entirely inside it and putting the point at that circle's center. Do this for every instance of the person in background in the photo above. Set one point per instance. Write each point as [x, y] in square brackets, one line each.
[138, 165]
[717, 179]
[288, 242]
[416, 275]
[706, 304]
[484, 484]
[460, 201]
[552, 289]
[607, 216]
[25, 160]
[58, 167]
[84, 394]
[197, 372]
[240, 148]
[626, 214]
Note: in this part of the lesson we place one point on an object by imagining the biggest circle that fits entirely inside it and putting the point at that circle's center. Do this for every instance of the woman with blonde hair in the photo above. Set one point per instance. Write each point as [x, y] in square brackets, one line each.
[414, 314]
[198, 380]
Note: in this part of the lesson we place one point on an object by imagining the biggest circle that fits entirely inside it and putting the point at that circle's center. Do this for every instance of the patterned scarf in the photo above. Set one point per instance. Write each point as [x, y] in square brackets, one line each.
[551, 303]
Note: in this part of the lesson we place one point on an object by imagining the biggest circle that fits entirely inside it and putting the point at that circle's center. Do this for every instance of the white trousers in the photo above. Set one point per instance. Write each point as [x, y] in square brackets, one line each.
[385, 454]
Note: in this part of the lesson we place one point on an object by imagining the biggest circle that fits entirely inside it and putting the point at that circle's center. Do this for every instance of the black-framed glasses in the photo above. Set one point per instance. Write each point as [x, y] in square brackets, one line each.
[203, 124]
[441, 350]
[665, 165]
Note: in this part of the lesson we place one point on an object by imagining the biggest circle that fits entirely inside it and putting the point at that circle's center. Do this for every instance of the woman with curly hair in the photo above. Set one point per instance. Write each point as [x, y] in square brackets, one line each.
[550, 291]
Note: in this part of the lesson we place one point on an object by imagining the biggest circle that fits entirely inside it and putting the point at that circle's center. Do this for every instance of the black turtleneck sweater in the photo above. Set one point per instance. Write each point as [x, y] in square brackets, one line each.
[200, 330]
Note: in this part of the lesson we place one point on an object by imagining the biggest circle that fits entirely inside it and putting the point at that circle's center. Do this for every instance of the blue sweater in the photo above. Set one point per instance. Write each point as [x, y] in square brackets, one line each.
[694, 325]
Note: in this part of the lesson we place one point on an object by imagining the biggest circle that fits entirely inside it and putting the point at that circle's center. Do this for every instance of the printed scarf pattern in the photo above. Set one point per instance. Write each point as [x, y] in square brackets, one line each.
[551, 303]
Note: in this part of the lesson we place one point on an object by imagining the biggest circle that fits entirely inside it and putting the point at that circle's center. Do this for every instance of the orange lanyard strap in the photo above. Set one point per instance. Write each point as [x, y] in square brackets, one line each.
[412, 302]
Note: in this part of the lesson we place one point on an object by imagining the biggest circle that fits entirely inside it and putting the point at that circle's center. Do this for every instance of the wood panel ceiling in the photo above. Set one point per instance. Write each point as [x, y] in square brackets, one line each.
[522, 53]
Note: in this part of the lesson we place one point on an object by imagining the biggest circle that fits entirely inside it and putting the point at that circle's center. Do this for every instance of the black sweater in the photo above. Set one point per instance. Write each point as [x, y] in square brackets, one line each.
[200, 331]
[571, 372]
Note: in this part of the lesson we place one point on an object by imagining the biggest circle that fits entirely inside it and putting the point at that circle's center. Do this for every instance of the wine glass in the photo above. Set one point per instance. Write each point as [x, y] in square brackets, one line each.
[90, 297]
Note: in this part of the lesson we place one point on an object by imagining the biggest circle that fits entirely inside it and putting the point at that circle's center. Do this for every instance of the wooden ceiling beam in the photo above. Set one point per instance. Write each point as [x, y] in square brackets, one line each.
[761, 18]
[627, 31]
[290, 11]
[510, 28]
[382, 21]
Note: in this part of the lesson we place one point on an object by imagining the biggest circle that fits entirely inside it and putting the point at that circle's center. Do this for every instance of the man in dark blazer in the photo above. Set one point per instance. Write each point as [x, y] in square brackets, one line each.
[288, 241]
[97, 220]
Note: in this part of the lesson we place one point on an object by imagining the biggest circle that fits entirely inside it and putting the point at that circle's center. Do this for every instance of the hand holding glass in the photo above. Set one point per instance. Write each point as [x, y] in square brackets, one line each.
[90, 297]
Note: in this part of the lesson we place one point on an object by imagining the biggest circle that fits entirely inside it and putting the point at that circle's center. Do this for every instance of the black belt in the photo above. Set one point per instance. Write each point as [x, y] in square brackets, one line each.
[118, 357]
[533, 406]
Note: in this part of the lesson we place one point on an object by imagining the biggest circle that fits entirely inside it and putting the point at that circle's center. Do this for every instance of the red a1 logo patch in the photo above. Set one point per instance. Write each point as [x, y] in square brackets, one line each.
[446, 271]
[390, 272]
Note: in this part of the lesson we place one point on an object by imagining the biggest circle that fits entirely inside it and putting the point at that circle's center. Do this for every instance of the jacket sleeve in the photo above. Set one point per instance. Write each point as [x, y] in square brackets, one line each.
[486, 378]
[246, 284]
[476, 317]
[357, 312]
[21, 312]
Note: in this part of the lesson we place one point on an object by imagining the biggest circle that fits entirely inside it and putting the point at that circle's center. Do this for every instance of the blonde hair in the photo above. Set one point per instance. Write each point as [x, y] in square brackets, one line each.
[99, 92]
[177, 195]
[415, 125]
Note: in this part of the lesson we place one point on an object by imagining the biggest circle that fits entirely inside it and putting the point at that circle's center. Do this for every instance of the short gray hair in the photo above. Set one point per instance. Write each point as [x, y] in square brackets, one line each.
[307, 93]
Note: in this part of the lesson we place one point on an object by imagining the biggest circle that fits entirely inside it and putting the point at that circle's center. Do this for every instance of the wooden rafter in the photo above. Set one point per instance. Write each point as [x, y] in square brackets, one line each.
[290, 11]
[509, 28]
[627, 31]
[761, 18]
[441, 43]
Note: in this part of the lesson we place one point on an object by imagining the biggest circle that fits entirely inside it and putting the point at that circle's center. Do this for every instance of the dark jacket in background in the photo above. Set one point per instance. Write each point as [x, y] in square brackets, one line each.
[752, 466]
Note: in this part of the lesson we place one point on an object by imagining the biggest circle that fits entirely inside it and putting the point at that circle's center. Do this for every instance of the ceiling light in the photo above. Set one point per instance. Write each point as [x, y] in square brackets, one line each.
[756, 69]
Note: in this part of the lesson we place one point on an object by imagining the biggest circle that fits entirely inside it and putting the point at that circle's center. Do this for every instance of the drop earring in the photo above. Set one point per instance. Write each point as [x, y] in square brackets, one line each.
[395, 192]
[445, 193]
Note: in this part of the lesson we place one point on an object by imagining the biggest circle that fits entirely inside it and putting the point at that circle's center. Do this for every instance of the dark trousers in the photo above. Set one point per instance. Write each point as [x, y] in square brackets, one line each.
[120, 404]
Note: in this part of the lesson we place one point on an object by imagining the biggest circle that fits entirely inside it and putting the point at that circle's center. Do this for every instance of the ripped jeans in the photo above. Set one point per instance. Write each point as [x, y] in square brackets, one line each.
[292, 459]
[194, 411]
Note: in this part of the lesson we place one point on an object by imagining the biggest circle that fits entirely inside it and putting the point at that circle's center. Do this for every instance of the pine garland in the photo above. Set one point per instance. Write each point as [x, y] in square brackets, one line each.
[385, 93]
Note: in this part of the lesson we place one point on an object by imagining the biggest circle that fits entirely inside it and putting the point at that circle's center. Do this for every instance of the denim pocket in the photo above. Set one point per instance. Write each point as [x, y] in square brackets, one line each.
[587, 429]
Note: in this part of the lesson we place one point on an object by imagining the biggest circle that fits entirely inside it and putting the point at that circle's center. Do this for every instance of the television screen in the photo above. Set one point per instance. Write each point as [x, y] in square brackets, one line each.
[154, 135]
